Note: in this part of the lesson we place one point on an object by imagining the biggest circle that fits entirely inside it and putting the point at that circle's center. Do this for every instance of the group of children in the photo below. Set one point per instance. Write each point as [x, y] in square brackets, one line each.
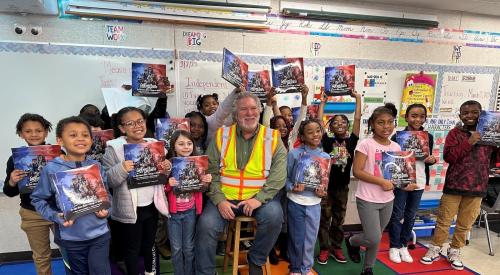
[133, 218]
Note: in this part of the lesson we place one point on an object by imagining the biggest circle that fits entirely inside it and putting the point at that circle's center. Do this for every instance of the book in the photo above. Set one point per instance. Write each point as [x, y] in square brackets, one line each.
[489, 128]
[339, 80]
[259, 83]
[147, 157]
[166, 127]
[188, 171]
[80, 191]
[234, 69]
[312, 111]
[150, 80]
[287, 74]
[398, 167]
[312, 171]
[415, 141]
[99, 139]
[31, 160]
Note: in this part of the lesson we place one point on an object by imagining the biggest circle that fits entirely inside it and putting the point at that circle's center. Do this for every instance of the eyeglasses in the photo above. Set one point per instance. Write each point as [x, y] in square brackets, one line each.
[132, 123]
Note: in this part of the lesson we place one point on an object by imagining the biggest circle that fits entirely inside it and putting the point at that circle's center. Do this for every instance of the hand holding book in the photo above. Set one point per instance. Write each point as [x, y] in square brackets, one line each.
[128, 165]
[298, 187]
[474, 137]
[66, 223]
[16, 176]
[102, 214]
[387, 185]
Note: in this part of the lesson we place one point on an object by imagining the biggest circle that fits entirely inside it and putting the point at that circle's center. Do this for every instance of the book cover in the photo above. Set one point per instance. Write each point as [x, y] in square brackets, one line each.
[188, 171]
[147, 157]
[259, 83]
[80, 191]
[150, 80]
[339, 80]
[415, 141]
[31, 160]
[398, 167]
[312, 171]
[166, 127]
[489, 128]
[234, 69]
[287, 74]
[99, 139]
[312, 111]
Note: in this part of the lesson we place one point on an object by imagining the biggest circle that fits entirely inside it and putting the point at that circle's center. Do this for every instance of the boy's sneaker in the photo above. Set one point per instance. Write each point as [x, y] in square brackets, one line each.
[431, 255]
[367, 271]
[394, 255]
[405, 255]
[455, 258]
[338, 255]
[323, 256]
[352, 251]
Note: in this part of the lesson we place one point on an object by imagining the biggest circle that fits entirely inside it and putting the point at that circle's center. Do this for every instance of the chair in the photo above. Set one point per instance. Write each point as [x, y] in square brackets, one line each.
[234, 239]
[485, 211]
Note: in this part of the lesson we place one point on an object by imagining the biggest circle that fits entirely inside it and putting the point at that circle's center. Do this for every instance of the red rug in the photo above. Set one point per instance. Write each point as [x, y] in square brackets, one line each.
[440, 267]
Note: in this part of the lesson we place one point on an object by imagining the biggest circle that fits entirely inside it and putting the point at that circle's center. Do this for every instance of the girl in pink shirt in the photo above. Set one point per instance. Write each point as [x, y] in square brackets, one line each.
[374, 194]
[183, 209]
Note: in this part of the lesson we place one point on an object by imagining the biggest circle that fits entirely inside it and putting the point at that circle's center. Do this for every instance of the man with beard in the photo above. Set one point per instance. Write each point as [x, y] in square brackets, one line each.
[243, 183]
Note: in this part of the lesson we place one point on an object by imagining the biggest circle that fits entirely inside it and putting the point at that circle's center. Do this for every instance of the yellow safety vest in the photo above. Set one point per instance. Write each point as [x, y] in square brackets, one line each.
[243, 184]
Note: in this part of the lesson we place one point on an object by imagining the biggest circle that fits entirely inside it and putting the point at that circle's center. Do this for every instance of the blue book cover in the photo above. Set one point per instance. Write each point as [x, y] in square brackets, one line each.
[234, 69]
[339, 80]
[147, 157]
[150, 80]
[31, 160]
[166, 127]
[312, 171]
[489, 128]
[80, 191]
[398, 167]
[259, 84]
[187, 172]
[415, 141]
[287, 74]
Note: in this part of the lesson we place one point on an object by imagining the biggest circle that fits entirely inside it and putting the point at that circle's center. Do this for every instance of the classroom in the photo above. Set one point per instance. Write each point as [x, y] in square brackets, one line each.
[341, 84]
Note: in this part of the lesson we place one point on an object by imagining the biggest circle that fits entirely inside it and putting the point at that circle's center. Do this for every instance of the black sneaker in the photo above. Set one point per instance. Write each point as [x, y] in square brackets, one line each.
[352, 251]
[221, 248]
[367, 271]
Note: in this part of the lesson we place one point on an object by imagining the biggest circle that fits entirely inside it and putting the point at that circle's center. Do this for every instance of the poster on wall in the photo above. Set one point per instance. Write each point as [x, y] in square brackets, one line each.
[373, 94]
[418, 88]
[459, 87]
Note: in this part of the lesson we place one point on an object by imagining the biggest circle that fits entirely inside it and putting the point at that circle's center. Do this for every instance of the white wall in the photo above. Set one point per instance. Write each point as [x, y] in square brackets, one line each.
[167, 36]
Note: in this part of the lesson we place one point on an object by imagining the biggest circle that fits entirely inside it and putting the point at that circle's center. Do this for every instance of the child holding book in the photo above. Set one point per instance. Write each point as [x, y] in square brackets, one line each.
[465, 185]
[407, 200]
[303, 205]
[136, 210]
[85, 241]
[183, 209]
[33, 128]
[340, 147]
[374, 195]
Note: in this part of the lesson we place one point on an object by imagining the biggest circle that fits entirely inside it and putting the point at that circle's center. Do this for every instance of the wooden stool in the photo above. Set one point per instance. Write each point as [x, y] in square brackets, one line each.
[234, 238]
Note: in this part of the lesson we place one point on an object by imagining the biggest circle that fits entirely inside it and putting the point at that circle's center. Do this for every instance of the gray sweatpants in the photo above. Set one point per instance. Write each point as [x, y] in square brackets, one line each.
[374, 218]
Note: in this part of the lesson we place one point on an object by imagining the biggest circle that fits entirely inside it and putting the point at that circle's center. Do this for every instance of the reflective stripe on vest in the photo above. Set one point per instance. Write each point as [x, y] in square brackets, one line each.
[243, 184]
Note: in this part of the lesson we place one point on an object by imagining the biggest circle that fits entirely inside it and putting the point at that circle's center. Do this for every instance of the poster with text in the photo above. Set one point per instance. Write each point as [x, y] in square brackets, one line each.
[460, 87]
[418, 88]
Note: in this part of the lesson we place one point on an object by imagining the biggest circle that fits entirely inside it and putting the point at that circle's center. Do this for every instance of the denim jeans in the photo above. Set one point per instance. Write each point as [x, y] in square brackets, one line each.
[303, 225]
[269, 218]
[181, 226]
[403, 216]
[88, 257]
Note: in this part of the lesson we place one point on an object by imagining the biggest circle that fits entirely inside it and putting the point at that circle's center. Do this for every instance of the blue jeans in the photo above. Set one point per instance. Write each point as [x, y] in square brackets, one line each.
[303, 226]
[269, 218]
[181, 226]
[88, 257]
[405, 208]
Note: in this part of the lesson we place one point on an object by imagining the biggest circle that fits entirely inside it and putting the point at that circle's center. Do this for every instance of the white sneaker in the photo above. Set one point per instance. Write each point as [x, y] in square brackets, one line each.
[455, 258]
[431, 255]
[405, 255]
[394, 255]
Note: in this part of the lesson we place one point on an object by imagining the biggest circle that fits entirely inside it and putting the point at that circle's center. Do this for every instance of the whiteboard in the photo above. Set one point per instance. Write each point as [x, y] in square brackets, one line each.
[57, 85]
